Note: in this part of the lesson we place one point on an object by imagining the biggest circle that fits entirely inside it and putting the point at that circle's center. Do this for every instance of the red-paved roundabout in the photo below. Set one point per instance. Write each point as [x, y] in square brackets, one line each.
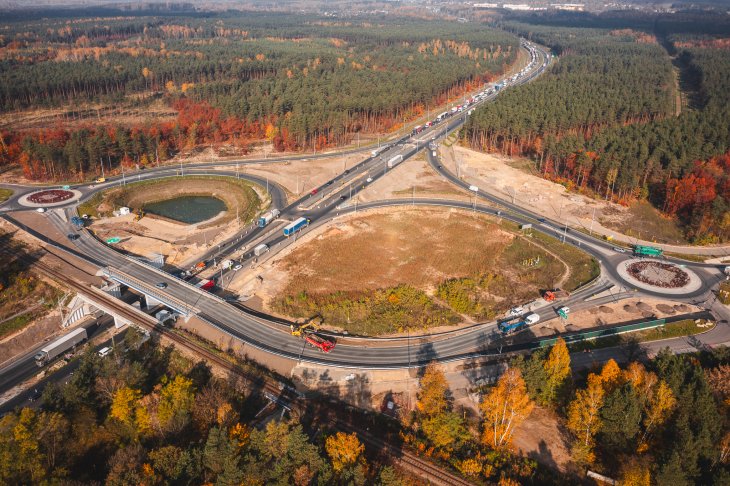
[51, 196]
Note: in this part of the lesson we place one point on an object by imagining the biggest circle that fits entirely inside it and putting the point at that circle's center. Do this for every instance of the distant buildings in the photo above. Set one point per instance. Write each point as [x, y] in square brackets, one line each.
[577, 7]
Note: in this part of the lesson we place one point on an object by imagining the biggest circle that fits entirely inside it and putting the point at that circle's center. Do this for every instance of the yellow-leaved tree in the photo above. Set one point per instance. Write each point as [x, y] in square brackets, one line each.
[584, 418]
[344, 450]
[557, 369]
[433, 398]
[505, 407]
[176, 402]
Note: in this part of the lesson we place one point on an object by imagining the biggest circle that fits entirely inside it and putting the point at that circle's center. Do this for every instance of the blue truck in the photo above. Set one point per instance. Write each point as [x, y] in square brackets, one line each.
[267, 218]
[513, 325]
[295, 226]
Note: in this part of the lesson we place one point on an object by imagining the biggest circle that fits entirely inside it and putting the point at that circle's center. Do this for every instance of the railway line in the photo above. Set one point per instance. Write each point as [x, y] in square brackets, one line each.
[406, 459]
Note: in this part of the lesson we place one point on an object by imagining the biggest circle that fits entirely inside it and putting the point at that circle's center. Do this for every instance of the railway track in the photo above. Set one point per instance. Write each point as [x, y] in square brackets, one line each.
[407, 460]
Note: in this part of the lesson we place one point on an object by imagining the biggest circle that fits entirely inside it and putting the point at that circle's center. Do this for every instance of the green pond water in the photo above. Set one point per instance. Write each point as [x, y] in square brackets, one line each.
[187, 209]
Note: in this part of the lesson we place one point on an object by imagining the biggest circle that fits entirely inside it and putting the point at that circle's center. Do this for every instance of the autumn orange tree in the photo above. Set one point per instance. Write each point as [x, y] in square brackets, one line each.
[344, 450]
[505, 407]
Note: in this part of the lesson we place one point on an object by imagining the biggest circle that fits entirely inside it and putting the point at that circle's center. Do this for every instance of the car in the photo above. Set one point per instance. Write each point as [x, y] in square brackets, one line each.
[347, 171]
[104, 351]
[100, 180]
[343, 197]
[237, 267]
[314, 191]
[541, 220]
[619, 249]
[35, 395]
[439, 166]
[329, 183]
[41, 210]
[72, 236]
[161, 285]
[516, 311]
[369, 179]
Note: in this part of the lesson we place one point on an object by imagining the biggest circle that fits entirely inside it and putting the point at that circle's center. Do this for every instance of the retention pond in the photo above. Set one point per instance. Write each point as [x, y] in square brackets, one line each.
[187, 209]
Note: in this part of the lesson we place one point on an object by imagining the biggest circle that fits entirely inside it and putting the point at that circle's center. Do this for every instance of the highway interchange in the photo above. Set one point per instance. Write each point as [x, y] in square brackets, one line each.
[332, 200]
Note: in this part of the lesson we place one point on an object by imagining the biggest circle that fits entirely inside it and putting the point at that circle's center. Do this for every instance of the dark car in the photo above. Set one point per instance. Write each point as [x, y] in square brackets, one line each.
[329, 183]
[161, 285]
[343, 197]
[541, 220]
[347, 171]
[72, 236]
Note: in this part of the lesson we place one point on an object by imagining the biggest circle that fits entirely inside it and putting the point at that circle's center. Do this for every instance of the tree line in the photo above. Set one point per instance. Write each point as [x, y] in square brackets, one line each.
[603, 120]
[300, 84]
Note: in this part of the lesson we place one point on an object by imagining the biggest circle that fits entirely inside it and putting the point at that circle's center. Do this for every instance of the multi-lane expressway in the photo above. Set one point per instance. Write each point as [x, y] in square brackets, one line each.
[268, 335]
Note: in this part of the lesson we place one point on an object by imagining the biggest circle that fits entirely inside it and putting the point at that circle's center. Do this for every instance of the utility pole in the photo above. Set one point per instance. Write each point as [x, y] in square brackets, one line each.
[592, 220]
[101, 163]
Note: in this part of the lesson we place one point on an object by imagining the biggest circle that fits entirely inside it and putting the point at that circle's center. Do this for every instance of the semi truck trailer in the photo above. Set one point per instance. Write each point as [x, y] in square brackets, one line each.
[395, 161]
[268, 218]
[60, 346]
[261, 249]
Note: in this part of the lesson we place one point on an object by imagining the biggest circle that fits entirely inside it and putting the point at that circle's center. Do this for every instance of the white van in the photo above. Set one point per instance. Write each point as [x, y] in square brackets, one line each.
[105, 351]
[532, 318]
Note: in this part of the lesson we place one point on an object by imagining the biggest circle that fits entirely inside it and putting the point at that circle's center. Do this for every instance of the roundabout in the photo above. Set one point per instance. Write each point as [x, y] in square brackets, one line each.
[49, 198]
[660, 277]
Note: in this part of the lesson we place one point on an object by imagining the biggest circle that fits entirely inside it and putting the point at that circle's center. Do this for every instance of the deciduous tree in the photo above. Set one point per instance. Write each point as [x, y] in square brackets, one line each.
[344, 450]
[505, 407]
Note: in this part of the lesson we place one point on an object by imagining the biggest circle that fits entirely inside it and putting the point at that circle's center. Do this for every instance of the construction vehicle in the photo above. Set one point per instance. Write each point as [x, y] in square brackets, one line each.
[201, 265]
[321, 343]
[552, 295]
[60, 346]
[312, 325]
[139, 214]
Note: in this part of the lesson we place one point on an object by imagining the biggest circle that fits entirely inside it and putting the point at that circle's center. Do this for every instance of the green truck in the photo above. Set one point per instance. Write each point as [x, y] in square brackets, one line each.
[642, 250]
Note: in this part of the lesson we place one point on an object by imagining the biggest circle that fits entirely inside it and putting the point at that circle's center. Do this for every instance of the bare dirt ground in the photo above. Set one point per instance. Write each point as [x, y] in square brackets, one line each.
[412, 178]
[540, 438]
[85, 114]
[343, 256]
[178, 243]
[301, 176]
[35, 332]
[613, 313]
[512, 179]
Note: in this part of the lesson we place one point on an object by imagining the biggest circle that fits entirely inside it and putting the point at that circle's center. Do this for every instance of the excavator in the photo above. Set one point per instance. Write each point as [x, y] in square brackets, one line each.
[308, 331]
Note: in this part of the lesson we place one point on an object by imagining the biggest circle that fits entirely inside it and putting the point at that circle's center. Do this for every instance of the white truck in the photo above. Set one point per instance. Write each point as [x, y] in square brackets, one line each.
[226, 264]
[261, 249]
[473, 188]
[395, 161]
[60, 346]
[268, 218]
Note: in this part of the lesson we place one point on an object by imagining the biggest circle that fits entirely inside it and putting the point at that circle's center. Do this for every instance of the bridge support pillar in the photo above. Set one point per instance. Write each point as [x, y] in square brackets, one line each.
[151, 301]
[113, 289]
[119, 322]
